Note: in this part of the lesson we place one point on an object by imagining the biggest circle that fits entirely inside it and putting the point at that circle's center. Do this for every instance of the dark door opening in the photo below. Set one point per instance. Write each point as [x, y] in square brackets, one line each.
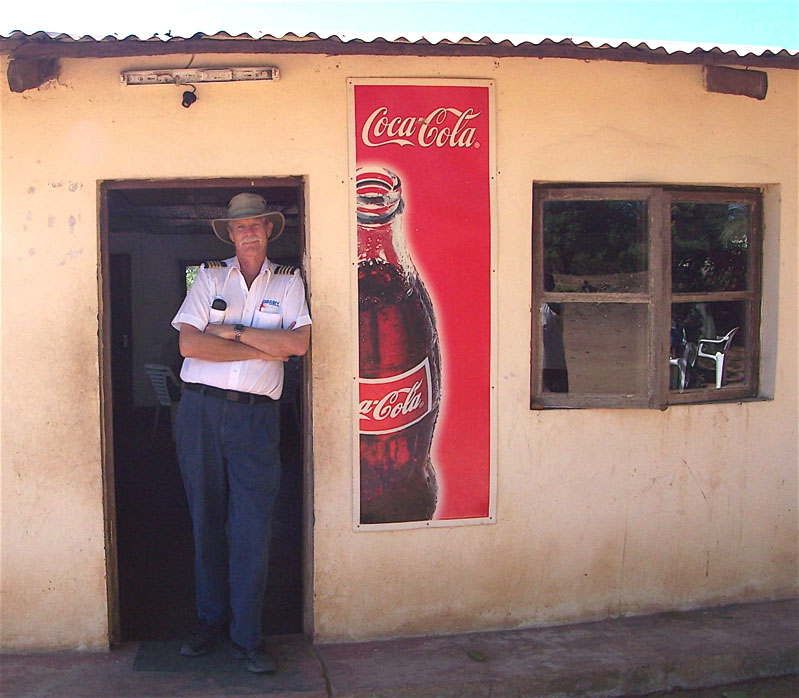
[154, 234]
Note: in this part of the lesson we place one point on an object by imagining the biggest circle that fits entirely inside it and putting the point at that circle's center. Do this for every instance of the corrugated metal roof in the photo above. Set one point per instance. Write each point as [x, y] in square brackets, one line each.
[59, 44]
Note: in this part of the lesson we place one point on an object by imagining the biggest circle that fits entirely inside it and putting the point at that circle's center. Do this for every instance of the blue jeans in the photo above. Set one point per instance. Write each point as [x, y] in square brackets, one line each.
[229, 458]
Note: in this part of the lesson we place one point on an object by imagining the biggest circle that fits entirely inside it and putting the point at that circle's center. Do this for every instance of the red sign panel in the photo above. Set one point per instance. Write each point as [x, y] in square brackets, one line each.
[423, 196]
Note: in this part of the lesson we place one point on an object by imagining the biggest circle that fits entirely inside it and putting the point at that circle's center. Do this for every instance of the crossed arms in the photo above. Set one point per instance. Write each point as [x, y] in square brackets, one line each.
[217, 343]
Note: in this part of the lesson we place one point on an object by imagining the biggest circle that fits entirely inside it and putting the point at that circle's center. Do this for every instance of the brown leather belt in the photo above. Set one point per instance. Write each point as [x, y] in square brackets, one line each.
[229, 395]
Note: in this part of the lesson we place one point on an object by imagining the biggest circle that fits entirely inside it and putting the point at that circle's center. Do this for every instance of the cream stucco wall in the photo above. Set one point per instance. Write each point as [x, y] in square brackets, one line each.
[600, 512]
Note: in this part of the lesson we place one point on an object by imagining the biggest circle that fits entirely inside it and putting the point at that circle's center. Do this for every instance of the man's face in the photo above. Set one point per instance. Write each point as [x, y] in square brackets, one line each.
[250, 235]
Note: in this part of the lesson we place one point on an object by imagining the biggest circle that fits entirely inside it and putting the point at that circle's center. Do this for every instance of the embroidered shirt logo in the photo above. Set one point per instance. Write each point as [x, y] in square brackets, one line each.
[267, 304]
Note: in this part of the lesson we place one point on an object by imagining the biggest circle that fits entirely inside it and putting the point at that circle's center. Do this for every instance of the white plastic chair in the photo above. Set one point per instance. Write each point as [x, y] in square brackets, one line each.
[685, 362]
[682, 366]
[715, 350]
[160, 377]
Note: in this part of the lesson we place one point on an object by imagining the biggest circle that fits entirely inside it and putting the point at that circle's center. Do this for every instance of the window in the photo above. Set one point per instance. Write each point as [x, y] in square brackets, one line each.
[644, 296]
[190, 271]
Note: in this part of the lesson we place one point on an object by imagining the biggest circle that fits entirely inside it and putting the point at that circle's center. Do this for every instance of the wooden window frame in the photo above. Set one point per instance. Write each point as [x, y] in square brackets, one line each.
[658, 297]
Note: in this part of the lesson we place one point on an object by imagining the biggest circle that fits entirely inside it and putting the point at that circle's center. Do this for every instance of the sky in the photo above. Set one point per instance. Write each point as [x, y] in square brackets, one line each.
[772, 23]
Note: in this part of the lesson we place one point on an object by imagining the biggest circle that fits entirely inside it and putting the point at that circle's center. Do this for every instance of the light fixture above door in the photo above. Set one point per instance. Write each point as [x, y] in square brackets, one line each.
[186, 76]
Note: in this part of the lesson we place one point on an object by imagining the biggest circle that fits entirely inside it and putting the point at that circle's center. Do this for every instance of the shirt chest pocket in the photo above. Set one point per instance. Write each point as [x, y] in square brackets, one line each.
[268, 318]
[217, 312]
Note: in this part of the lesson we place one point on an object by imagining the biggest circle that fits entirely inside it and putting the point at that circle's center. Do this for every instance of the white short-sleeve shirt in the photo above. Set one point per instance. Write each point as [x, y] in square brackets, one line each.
[275, 300]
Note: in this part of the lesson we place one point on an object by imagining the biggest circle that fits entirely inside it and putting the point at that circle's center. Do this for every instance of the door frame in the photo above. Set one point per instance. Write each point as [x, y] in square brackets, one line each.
[106, 392]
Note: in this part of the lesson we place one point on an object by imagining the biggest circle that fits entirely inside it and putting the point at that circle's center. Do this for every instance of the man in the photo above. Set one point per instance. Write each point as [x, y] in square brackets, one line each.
[242, 318]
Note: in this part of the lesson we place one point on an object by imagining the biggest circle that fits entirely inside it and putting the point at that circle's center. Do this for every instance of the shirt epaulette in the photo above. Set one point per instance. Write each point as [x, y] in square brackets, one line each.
[214, 264]
[285, 269]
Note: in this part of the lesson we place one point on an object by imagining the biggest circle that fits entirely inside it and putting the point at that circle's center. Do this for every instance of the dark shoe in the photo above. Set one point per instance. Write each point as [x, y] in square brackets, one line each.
[201, 640]
[259, 661]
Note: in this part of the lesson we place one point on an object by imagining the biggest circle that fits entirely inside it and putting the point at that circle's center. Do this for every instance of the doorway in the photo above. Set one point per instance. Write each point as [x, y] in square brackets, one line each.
[154, 236]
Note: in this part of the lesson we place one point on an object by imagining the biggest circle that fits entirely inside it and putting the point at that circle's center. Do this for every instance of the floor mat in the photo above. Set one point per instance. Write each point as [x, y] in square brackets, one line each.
[164, 655]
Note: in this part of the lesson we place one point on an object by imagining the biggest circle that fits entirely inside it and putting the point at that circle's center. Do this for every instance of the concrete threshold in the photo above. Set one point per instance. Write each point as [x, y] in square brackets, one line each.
[620, 657]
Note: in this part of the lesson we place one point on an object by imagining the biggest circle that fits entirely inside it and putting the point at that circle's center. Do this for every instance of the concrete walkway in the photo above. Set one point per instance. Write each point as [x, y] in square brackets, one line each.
[622, 657]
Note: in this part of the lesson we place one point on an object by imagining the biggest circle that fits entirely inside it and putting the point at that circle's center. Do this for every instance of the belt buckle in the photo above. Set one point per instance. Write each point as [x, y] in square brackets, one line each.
[231, 396]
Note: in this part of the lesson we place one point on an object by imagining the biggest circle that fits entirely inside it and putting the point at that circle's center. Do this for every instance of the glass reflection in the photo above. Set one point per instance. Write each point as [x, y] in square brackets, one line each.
[709, 247]
[554, 371]
[706, 346]
[594, 348]
[592, 246]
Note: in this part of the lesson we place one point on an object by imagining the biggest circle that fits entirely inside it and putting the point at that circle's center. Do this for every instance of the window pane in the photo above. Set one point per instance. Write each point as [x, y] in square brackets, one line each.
[592, 246]
[191, 274]
[590, 348]
[709, 247]
[707, 348]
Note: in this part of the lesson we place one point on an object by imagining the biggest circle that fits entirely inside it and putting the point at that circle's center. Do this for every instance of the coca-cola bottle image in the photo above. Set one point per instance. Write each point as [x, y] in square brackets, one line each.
[400, 361]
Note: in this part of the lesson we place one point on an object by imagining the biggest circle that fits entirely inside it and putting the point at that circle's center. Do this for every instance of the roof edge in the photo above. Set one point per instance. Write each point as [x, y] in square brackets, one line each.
[44, 45]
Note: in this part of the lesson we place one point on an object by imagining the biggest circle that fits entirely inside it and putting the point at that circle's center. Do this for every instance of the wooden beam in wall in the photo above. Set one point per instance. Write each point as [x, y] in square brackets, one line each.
[27, 73]
[735, 81]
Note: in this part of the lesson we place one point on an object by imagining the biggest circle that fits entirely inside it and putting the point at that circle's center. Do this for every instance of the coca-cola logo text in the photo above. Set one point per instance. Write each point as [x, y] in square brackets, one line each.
[442, 127]
[391, 404]
[398, 402]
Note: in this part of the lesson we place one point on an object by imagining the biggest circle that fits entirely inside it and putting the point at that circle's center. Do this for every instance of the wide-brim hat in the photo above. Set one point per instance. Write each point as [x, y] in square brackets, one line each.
[248, 205]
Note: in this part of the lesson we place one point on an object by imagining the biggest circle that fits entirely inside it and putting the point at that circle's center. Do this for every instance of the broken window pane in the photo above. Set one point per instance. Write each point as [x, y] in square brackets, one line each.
[594, 348]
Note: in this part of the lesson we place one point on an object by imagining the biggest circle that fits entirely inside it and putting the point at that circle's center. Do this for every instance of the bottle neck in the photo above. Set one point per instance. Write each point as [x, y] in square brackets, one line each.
[379, 207]
[385, 243]
[377, 242]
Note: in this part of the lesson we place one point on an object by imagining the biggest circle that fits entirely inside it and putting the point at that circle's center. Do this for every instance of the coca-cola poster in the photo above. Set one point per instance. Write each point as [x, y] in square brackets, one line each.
[422, 197]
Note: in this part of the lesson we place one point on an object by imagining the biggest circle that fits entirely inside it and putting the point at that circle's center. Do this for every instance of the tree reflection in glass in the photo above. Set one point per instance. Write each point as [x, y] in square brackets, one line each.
[709, 247]
[596, 246]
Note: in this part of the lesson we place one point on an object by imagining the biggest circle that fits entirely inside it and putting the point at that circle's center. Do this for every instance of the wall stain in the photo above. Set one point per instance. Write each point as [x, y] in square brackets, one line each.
[50, 220]
[695, 480]
[31, 190]
[72, 222]
[620, 600]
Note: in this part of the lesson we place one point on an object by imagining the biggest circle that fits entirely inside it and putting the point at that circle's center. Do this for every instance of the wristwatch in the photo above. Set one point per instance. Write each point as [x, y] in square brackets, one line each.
[237, 331]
